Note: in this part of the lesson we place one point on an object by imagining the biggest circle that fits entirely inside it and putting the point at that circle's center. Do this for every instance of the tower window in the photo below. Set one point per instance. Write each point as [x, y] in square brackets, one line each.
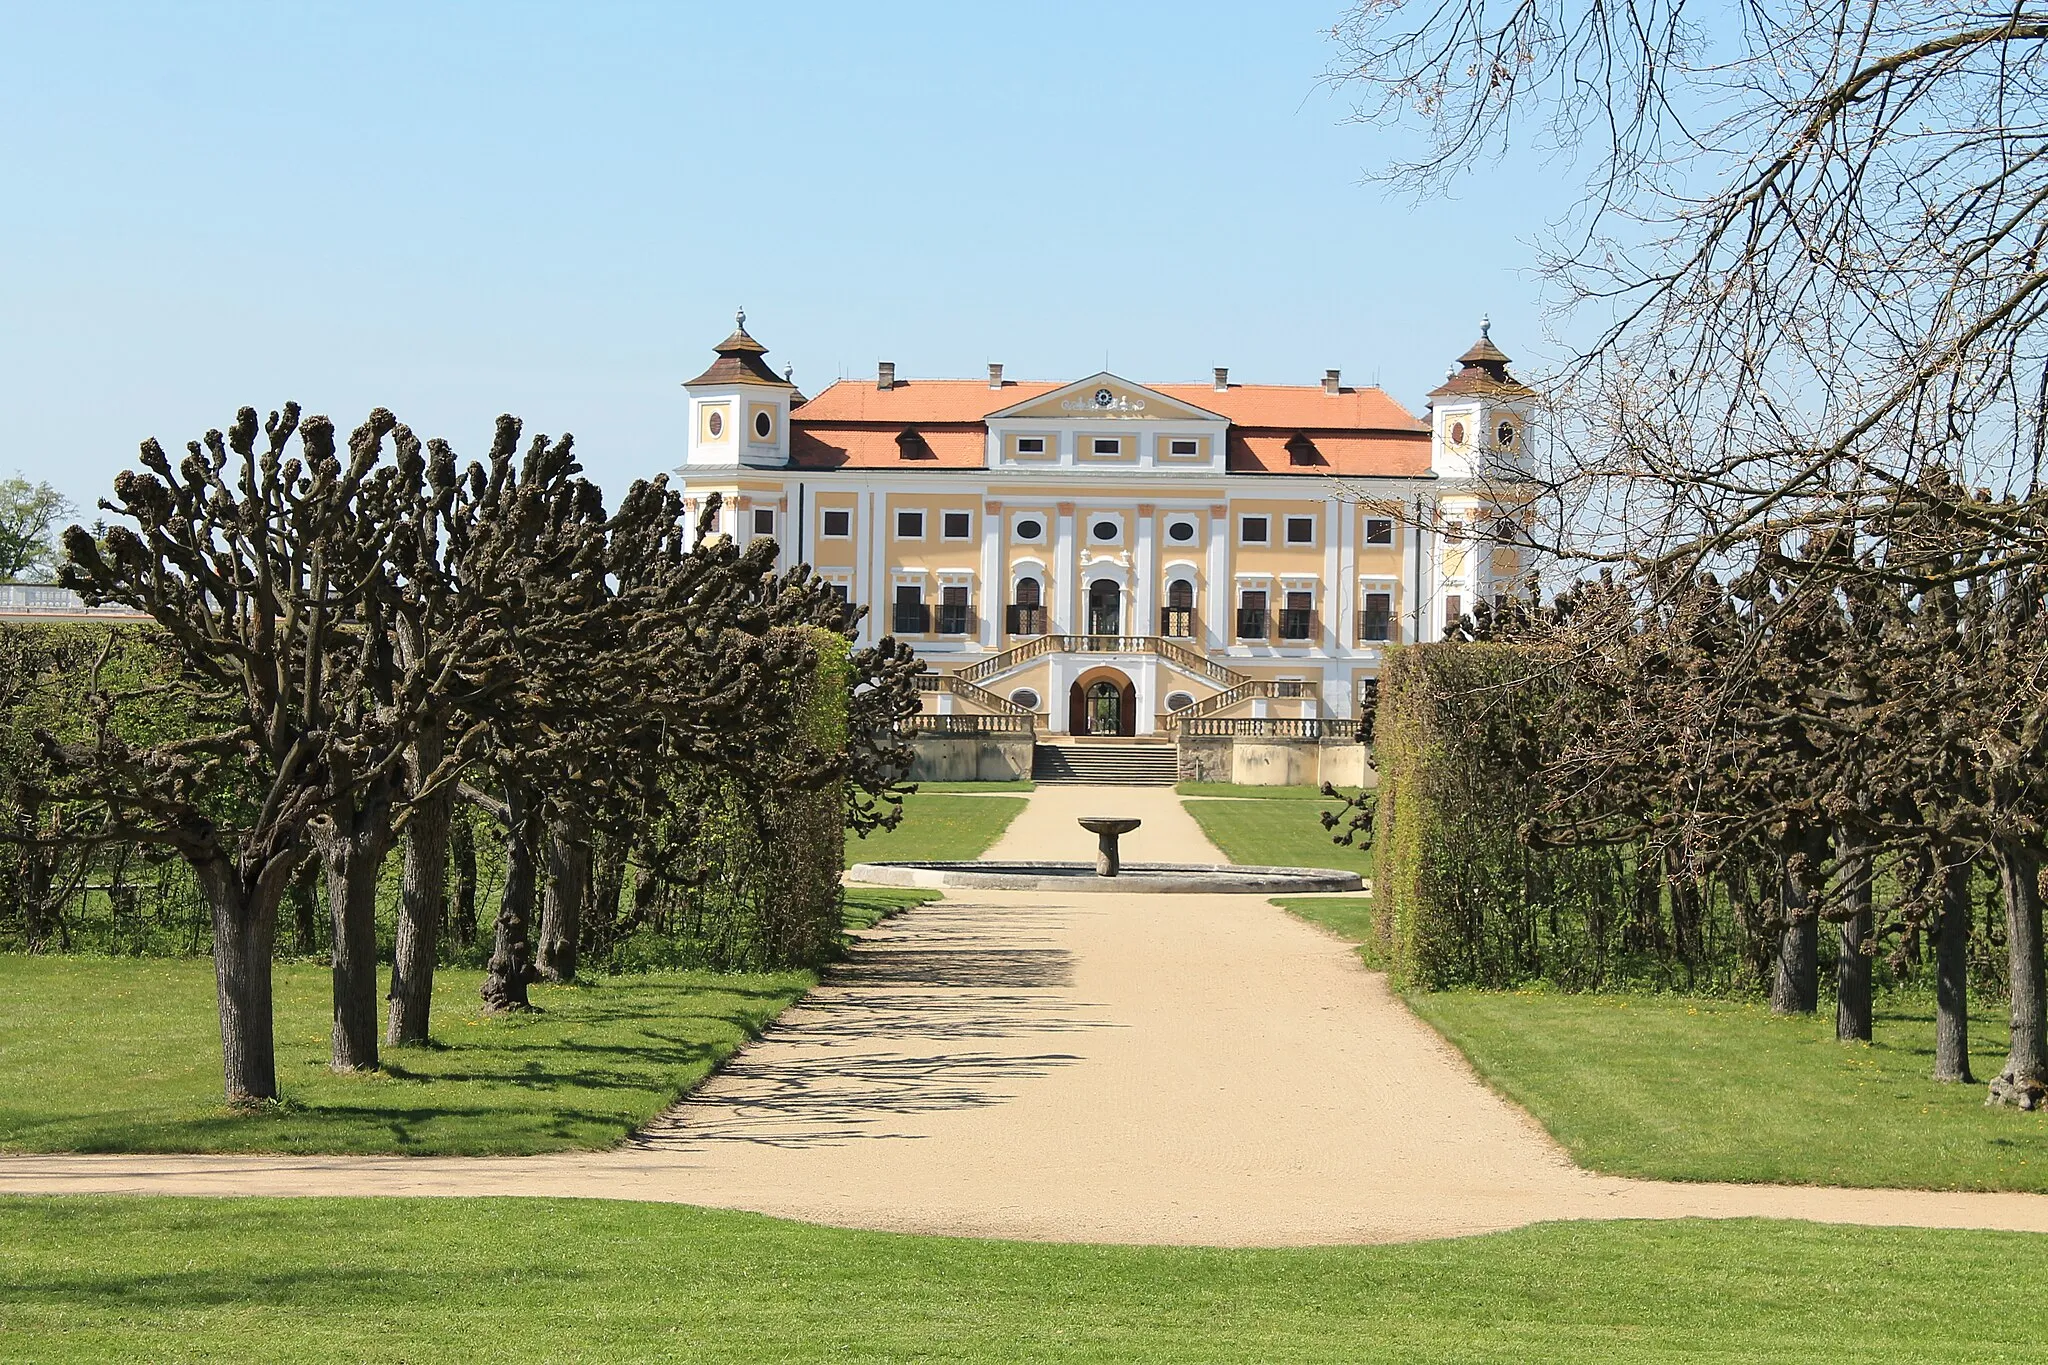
[764, 425]
[715, 424]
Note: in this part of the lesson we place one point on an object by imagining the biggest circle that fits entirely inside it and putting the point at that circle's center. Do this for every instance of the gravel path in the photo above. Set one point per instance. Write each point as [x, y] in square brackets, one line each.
[1162, 1069]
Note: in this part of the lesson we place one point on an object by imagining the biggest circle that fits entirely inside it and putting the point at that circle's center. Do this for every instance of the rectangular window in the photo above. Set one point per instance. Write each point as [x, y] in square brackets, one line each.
[843, 592]
[1031, 445]
[956, 525]
[838, 523]
[1454, 610]
[1376, 621]
[1184, 446]
[910, 526]
[954, 616]
[910, 616]
[1301, 530]
[1379, 531]
[764, 521]
[1109, 445]
[1251, 615]
[1252, 530]
[1298, 617]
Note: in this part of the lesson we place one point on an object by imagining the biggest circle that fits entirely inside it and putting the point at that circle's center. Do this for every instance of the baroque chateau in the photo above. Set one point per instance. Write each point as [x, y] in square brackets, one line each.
[1098, 558]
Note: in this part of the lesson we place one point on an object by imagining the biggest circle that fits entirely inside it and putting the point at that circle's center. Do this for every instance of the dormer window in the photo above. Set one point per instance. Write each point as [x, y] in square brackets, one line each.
[1301, 450]
[911, 445]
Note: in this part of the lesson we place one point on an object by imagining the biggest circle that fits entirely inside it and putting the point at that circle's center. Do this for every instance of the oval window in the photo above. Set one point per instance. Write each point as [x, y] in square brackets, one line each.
[1457, 433]
[763, 424]
[1179, 701]
[1182, 531]
[715, 424]
[1506, 433]
[1104, 530]
[1029, 529]
[1025, 698]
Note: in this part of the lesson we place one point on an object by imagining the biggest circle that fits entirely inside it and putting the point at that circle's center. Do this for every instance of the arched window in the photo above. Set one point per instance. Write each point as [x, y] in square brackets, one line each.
[1027, 608]
[1105, 607]
[1177, 617]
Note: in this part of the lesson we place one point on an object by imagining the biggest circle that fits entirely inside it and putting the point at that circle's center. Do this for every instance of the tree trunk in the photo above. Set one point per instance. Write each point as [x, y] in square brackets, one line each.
[1852, 964]
[511, 966]
[2023, 1083]
[462, 845]
[1796, 988]
[352, 853]
[1685, 909]
[1951, 977]
[303, 894]
[244, 927]
[608, 881]
[420, 906]
[561, 921]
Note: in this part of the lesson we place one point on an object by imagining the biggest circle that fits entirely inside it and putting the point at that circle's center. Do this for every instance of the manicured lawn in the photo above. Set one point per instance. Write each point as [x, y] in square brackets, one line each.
[1281, 831]
[864, 907]
[93, 1279]
[1724, 1090]
[945, 826]
[1345, 916]
[1255, 793]
[117, 1054]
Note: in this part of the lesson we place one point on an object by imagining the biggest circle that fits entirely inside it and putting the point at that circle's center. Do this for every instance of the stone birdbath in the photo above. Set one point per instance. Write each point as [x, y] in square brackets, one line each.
[1106, 828]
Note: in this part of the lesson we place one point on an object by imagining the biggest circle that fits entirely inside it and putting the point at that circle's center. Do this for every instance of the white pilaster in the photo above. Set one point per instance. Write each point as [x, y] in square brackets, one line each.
[1064, 592]
[1216, 620]
[1144, 577]
[994, 586]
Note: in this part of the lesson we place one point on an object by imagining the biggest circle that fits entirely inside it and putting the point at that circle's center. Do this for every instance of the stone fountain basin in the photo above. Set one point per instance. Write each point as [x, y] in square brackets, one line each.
[1135, 879]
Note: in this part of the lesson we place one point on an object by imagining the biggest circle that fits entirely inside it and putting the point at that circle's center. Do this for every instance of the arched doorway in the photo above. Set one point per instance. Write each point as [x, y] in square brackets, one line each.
[1102, 701]
[1105, 607]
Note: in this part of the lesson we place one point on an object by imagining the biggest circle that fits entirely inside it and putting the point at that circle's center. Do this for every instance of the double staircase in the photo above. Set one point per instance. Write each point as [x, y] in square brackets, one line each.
[1234, 686]
[1114, 765]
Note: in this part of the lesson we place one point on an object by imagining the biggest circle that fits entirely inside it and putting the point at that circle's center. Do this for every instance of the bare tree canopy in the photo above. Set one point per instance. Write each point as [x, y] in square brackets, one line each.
[1810, 254]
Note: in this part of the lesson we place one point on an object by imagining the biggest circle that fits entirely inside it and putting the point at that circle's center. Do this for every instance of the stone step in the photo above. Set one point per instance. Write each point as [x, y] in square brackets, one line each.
[1122, 765]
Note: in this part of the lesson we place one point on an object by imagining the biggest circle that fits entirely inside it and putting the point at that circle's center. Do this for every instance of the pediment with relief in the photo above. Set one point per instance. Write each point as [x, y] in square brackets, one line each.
[1104, 397]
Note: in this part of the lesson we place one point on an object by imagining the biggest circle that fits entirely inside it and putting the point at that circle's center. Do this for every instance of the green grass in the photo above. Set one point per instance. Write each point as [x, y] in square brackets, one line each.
[938, 826]
[1282, 831]
[1348, 917]
[93, 1279]
[1724, 1090]
[1252, 793]
[115, 1054]
[864, 907]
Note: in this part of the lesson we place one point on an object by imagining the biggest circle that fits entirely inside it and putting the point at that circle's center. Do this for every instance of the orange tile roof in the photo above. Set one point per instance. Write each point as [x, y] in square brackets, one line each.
[915, 400]
[833, 445]
[1360, 431]
[972, 400]
[1386, 454]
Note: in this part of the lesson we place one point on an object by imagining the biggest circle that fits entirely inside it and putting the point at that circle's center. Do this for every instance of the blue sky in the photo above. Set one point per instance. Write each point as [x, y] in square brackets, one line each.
[553, 210]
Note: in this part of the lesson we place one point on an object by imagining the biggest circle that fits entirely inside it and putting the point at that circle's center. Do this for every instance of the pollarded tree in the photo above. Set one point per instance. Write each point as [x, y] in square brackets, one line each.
[273, 579]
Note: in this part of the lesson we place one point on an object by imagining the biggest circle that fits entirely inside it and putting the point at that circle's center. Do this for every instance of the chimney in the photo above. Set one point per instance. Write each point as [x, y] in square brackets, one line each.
[885, 375]
[1330, 384]
[1222, 378]
[995, 375]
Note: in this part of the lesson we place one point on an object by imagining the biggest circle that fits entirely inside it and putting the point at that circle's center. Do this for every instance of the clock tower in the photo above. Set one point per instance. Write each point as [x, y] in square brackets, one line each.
[1479, 442]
